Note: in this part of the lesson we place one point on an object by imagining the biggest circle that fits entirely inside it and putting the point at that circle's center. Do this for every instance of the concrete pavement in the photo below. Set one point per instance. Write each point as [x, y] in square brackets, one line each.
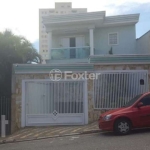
[52, 131]
[138, 140]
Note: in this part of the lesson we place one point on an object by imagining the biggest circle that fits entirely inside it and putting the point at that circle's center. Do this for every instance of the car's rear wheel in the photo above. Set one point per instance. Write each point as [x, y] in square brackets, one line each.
[122, 126]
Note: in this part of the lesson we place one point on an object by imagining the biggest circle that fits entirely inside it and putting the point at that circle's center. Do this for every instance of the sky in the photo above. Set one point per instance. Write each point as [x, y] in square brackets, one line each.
[22, 16]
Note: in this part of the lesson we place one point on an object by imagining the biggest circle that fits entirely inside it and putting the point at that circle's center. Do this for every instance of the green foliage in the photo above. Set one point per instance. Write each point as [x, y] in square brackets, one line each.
[13, 49]
[17, 49]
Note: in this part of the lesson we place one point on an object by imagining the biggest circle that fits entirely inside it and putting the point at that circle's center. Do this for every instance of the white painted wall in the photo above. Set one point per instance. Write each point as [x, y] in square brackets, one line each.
[61, 8]
[143, 44]
[56, 39]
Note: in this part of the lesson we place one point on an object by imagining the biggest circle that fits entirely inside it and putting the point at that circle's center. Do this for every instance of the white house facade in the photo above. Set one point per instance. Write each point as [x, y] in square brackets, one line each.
[75, 37]
[61, 8]
[83, 45]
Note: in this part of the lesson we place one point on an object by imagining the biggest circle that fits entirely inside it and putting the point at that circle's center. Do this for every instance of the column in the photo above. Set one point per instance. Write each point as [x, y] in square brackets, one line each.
[91, 41]
[49, 43]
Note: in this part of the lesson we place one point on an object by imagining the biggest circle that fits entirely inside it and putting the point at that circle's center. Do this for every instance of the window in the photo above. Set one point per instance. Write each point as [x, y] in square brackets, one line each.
[113, 38]
[132, 101]
[146, 100]
[74, 11]
[51, 11]
[44, 41]
[44, 36]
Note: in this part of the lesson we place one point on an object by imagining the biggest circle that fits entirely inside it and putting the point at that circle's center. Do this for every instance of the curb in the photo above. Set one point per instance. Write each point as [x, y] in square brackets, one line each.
[5, 141]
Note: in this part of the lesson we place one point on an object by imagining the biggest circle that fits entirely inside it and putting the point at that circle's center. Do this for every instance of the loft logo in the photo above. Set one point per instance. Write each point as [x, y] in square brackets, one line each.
[56, 75]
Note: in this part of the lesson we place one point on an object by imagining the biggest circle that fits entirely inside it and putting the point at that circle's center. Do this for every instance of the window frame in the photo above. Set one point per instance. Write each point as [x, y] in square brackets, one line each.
[117, 38]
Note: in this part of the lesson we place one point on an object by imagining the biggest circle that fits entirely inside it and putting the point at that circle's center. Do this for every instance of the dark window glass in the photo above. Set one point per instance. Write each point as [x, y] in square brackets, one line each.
[146, 100]
[132, 101]
[72, 50]
[72, 42]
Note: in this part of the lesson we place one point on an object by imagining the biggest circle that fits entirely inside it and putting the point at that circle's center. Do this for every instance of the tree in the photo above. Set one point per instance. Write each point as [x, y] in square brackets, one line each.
[13, 49]
[18, 47]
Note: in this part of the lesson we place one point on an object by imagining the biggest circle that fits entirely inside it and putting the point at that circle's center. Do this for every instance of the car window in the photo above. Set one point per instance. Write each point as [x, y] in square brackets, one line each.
[146, 100]
[133, 100]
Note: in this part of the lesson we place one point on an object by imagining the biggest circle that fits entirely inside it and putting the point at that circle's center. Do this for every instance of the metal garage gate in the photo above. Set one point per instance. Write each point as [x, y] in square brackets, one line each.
[114, 89]
[55, 103]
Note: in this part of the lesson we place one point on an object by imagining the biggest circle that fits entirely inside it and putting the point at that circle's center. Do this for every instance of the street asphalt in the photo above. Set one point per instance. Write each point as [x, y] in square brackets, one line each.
[138, 140]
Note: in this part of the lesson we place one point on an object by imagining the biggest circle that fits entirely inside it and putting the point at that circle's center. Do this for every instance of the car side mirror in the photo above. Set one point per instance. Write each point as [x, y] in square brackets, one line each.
[140, 104]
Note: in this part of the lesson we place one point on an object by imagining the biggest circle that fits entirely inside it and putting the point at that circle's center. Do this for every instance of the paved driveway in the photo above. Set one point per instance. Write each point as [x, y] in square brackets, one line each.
[107, 141]
[43, 132]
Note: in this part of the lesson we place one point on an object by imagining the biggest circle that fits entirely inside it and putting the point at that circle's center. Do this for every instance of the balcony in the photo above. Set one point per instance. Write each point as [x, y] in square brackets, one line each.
[70, 53]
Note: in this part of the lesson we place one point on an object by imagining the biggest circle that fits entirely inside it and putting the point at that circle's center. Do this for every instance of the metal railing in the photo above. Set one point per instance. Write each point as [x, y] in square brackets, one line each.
[63, 97]
[70, 53]
[115, 89]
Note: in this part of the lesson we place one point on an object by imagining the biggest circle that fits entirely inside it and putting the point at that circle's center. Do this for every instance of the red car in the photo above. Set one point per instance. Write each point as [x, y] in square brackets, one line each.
[135, 114]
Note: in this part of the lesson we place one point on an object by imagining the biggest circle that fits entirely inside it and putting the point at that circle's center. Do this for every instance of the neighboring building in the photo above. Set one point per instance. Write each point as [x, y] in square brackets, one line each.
[143, 44]
[60, 9]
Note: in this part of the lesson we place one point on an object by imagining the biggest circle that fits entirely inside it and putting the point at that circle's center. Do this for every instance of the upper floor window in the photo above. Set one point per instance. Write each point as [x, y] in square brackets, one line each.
[113, 38]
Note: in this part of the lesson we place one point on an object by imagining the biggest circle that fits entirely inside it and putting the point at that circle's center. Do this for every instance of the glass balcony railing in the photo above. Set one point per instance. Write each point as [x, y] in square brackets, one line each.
[70, 53]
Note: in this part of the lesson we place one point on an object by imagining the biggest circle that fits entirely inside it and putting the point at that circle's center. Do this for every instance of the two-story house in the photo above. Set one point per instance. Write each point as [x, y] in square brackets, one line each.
[75, 37]
[94, 66]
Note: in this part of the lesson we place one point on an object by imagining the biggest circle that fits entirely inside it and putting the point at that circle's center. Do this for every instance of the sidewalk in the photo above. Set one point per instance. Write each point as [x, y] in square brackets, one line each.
[53, 131]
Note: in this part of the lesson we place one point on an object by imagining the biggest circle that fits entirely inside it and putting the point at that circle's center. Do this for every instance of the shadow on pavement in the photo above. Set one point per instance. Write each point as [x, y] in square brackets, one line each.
[139, 131]
[136, 131]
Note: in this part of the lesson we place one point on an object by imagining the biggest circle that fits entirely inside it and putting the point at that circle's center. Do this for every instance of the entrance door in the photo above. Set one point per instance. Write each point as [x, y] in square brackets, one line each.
[55, 103]
[75, 44]
[73, 49]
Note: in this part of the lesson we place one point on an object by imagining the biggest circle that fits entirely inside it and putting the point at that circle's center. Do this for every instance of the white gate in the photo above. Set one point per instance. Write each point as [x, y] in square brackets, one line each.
[114, 89]
[55, 103]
